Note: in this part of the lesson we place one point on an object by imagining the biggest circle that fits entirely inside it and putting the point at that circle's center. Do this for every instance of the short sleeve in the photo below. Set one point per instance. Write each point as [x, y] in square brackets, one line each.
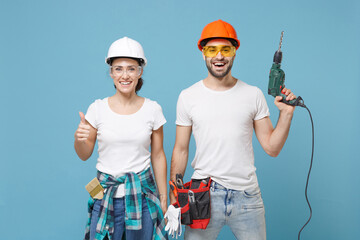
[159, 118]
[262, 109]
[91, 115]
[182, 116]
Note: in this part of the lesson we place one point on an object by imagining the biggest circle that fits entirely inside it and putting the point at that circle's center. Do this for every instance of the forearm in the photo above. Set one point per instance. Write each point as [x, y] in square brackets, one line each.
[280, 133]
[178, 165]
[83, 149]
[160, 167]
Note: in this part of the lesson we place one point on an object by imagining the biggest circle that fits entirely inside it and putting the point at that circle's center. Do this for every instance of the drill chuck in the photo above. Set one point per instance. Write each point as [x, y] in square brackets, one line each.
[278, 56]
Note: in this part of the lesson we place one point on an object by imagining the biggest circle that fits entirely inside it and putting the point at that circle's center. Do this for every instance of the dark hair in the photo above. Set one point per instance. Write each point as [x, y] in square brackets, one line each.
[205, 41]
[140, 62]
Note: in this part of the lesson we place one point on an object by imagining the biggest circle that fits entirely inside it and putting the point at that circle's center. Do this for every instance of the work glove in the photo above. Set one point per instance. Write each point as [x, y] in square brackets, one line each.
[173, 225]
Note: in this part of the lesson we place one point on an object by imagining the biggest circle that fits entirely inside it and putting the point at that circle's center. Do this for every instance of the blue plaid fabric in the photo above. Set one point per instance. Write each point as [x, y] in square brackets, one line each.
[135, 185]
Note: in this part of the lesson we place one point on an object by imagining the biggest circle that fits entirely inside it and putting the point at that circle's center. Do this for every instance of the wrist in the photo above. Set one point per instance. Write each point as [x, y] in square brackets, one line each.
[77, 141]
[163, 197]
[172, 199]
[287, 112]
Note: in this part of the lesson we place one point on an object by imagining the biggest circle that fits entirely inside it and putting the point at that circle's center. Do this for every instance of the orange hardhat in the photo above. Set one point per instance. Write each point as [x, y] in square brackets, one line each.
[218, 29]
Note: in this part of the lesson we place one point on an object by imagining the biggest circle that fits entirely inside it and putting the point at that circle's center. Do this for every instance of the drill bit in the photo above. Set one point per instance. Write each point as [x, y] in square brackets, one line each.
[282, 34]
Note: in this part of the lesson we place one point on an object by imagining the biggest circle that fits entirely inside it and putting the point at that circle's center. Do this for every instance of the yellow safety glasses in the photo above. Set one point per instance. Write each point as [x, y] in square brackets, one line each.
[226, 51]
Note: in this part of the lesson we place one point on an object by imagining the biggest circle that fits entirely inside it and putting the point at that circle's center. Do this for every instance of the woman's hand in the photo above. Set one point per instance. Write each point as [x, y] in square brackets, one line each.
[83, 131]
[85, 138]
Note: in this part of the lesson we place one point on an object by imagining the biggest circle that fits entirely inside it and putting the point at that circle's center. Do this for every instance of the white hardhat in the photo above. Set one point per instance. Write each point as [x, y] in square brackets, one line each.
[126, 47]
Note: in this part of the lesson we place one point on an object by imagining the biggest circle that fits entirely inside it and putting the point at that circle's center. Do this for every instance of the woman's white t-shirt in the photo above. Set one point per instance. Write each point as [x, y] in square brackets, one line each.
[124, 140]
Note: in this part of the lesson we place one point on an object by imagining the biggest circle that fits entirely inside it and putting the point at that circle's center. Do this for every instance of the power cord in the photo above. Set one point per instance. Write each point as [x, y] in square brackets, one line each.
[301, 103]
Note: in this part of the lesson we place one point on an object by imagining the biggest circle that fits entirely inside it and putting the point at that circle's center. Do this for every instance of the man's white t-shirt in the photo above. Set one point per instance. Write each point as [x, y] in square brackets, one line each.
[222, 125]
[124, 140]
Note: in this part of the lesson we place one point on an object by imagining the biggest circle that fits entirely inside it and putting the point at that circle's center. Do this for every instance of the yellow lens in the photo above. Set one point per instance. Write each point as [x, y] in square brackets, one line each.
[210, 51]
[226, 51]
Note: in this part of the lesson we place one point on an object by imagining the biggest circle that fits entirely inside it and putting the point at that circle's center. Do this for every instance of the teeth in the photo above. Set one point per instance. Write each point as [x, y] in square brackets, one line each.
[219, 64]
[125, 83]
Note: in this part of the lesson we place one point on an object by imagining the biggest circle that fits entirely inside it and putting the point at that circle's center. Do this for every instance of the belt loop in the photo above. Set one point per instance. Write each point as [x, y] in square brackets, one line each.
[212, 187]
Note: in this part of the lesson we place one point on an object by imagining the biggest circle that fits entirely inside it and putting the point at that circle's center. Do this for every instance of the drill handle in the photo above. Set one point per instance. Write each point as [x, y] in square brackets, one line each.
[295, 102]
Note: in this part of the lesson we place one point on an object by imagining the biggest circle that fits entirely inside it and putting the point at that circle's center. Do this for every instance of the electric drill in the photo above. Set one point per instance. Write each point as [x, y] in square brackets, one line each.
[276, 85]
[277, 79]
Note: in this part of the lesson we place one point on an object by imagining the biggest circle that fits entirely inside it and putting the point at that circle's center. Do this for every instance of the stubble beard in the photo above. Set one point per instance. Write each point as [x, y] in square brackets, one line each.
[221, 74]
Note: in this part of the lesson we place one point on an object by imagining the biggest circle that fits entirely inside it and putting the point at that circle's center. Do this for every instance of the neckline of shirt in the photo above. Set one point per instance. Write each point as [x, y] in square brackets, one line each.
[124, 115]
[220, 92]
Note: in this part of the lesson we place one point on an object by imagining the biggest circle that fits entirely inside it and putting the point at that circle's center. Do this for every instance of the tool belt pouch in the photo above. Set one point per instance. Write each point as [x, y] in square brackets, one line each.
[196, 213]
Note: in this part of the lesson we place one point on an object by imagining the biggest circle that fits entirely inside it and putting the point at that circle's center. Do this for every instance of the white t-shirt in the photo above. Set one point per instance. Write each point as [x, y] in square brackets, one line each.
[124, 140]
[222, 125]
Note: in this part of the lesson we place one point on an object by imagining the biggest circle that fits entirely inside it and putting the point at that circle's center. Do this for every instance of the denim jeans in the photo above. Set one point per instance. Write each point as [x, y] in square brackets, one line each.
[242, 211]
[145, 232]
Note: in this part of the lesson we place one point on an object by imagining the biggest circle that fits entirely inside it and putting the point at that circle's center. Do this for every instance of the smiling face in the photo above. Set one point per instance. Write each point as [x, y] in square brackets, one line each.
[219, 66]
[126, 73]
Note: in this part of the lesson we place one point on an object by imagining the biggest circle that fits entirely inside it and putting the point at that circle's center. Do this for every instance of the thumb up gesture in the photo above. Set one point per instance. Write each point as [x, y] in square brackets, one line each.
[83, 131]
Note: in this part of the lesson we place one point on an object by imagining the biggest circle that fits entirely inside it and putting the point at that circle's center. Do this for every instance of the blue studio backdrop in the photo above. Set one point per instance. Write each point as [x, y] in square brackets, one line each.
[52, 66]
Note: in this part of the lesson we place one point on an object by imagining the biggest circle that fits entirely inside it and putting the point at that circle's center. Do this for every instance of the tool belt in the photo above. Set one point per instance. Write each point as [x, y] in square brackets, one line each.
[194, 200]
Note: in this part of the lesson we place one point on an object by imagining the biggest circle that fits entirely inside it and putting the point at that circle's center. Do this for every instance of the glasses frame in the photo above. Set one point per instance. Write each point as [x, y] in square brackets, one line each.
[139, 68]
[219, 48]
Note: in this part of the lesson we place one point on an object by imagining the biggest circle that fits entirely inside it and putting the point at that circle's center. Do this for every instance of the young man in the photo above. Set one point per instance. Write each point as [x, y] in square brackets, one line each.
[222, 112]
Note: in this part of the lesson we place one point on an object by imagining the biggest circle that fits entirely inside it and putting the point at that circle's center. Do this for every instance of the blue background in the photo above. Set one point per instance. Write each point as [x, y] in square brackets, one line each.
[52, 66]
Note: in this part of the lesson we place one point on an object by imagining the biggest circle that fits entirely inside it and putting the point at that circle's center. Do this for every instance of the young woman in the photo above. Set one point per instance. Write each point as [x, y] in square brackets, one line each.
[125, 126]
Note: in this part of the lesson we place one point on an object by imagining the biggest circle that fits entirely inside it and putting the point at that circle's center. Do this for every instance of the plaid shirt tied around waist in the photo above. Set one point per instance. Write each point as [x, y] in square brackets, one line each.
[135, 185]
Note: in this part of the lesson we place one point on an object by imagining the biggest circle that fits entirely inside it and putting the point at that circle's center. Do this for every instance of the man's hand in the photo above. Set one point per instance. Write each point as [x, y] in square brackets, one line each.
[172, 197]
[283, 107]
